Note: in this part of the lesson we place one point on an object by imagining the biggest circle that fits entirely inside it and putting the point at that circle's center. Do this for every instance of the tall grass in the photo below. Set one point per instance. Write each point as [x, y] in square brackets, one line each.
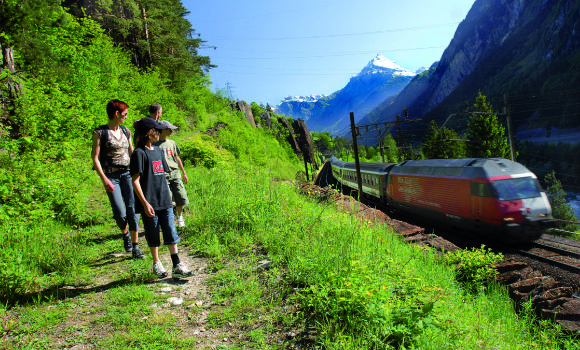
[357, 283]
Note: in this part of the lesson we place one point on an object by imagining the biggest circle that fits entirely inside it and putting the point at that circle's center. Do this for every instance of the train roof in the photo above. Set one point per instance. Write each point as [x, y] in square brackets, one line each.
[469, 167]
[365, 167]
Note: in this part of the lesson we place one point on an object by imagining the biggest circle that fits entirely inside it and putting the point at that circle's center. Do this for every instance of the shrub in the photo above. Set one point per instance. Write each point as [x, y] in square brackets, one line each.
[474, 266]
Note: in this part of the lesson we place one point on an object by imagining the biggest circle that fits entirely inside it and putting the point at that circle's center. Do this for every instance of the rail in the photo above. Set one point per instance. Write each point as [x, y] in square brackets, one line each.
[564, 231]
[551, 260]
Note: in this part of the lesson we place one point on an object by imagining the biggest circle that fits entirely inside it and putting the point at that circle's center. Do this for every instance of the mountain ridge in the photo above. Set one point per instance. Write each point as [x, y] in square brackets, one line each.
[378, 80]
[518, 48]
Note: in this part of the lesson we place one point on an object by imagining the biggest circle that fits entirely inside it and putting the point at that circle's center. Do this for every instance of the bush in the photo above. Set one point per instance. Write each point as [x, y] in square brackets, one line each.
[475, 266]
[200, 150]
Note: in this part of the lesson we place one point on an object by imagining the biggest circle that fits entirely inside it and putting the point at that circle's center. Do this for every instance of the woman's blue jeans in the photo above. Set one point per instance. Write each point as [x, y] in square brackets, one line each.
[122, 201]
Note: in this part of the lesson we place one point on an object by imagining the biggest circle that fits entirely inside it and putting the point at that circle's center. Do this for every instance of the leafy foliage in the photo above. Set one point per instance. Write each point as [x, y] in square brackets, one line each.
[474, 266]
[155, 33]
[197, 151]
[358, 301]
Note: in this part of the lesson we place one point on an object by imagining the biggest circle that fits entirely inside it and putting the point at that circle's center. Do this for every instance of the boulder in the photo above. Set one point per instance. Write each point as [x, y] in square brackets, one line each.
[527, 289]
[266, 119]
[570, 311]
[291, 139]
[547, 299]
[246, 109]
[304, 141]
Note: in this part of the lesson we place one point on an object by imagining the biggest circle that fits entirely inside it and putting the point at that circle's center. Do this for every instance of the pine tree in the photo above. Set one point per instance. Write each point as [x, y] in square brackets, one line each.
[436, 148]
[486, 135]
[557, 196]
[390, 150]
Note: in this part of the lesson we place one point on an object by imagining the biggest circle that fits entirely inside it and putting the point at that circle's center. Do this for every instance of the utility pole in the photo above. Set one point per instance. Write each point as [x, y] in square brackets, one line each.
[508, 112]
[229, 89]
[355, 149]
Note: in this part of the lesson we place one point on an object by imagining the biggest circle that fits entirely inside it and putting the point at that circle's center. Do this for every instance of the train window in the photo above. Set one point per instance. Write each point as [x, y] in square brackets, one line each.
[481, 190]
[519, 188]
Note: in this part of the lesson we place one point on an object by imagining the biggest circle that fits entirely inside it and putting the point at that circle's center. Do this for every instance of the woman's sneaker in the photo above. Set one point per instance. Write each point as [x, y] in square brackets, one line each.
[137, 253]
[181, 271]
[127, 242]
[159, 270]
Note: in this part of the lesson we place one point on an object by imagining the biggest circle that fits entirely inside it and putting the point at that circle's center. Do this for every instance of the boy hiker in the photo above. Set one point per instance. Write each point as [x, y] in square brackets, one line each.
[152, 198]
[173, 174]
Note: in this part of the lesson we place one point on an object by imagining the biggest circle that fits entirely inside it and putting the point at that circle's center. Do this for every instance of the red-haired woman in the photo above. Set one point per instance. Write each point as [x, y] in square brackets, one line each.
[112, 149]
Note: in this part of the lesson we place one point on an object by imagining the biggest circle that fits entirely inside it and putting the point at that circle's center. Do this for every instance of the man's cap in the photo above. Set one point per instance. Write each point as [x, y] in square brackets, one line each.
[145, 124]
[167, 124]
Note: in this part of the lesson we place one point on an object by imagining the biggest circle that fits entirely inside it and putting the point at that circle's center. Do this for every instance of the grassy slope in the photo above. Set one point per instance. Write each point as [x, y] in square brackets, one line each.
[333, 281]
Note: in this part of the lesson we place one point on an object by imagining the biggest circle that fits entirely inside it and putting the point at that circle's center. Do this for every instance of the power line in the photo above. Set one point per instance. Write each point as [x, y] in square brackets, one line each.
[282, 56]
[325, 36]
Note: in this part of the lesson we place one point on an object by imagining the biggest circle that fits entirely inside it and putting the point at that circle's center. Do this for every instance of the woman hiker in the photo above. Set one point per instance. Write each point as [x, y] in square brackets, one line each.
[112, 149]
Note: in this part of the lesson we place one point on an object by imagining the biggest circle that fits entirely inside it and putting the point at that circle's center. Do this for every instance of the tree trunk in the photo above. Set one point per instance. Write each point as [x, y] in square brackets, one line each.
[14, 90]
[147, 37]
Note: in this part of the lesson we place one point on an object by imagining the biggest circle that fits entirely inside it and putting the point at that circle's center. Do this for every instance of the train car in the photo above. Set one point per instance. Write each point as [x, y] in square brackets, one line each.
[493, 197]
[374, 176]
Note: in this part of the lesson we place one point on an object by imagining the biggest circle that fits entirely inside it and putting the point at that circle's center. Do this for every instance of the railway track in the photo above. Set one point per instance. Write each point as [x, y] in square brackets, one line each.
[568, 259]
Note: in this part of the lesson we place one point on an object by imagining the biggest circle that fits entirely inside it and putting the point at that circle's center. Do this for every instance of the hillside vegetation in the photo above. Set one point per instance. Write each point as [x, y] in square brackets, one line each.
[281, 269]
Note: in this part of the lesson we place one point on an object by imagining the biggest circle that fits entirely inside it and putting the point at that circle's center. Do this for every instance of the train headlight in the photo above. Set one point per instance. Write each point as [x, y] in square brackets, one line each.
[508, 219]
[543, 215]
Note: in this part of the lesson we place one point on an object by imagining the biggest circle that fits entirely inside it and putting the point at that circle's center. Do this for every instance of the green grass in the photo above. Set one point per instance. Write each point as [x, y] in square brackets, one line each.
[357, 285]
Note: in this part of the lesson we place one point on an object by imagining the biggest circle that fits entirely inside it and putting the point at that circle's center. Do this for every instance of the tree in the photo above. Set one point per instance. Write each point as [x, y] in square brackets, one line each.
[436, 148]
[156, 33]
[557, 196]
[486, 135]
[390, 149]
[371, 153]
[322, 141]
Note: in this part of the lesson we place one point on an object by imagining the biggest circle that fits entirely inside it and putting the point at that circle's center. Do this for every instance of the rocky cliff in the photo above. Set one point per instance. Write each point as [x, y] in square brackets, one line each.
[522, 48]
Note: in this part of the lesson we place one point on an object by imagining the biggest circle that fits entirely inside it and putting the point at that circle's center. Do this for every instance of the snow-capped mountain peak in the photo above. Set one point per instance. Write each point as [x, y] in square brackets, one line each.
[381, 64]
[311, 98]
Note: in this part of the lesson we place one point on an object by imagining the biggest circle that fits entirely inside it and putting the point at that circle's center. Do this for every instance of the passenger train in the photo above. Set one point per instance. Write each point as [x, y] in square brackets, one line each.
[491, 197]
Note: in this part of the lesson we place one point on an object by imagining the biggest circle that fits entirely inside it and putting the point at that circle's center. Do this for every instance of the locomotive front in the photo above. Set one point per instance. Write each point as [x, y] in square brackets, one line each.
[523, 206]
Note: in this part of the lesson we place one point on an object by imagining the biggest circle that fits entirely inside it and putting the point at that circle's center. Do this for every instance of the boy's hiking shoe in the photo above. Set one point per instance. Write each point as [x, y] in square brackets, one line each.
[158, 269]
[127, 242]
[137, 253]
[180, 221]
[181, 271]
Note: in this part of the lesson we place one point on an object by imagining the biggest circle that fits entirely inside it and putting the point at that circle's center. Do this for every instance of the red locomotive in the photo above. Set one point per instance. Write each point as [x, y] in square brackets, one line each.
[494, 197]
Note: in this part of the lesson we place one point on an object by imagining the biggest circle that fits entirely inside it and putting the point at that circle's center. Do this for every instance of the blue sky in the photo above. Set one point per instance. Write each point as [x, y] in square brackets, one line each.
[267, 50]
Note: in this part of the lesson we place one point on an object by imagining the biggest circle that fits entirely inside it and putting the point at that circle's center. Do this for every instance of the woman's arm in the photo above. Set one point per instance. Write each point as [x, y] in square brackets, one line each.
[130, 144]
[109, 187]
